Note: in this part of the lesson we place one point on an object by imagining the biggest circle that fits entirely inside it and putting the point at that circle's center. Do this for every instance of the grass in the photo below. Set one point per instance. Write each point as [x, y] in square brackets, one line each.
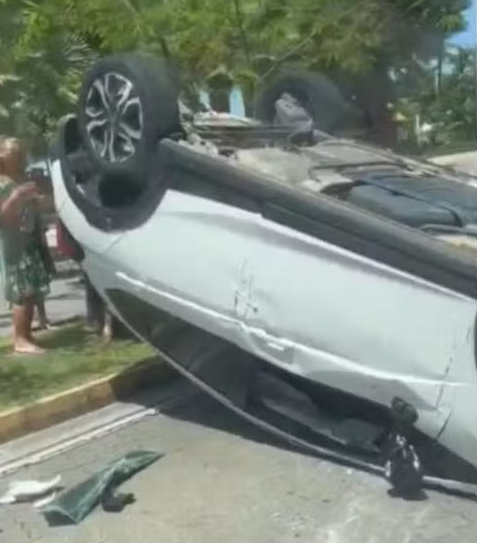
[74, 357]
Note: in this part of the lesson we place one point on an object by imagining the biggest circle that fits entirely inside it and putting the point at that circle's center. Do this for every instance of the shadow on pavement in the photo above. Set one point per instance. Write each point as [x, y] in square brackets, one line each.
[190, 404]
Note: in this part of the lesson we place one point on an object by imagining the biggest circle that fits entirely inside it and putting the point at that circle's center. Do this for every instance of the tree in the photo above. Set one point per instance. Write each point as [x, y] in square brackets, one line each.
[453, 107]
[412, 31]
[39, 84]
[359, 42]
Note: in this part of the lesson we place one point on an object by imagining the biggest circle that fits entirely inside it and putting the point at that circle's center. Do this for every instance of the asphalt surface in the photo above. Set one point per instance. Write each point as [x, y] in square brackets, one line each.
[223, 481]
[465, 162]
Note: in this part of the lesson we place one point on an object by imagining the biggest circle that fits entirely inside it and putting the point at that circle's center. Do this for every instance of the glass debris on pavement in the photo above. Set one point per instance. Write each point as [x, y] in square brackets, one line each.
[62, 506]
[74, 504]
[37, 492]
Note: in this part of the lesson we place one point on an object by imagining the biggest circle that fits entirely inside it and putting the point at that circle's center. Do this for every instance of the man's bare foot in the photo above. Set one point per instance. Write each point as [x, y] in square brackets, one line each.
[107, 334]
[23, 346]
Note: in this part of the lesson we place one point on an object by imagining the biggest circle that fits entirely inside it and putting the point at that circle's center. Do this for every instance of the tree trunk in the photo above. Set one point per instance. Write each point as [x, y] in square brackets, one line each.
[375, 94]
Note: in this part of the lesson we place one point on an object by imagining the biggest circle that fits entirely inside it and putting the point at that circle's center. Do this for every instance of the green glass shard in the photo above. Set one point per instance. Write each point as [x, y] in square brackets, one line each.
[74, 504]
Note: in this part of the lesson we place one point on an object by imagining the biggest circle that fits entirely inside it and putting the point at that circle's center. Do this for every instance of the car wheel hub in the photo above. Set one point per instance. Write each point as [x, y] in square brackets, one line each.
[114, 117]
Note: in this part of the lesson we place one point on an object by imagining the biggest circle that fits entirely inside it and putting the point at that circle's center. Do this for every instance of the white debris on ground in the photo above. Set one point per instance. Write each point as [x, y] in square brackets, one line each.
[37, 492]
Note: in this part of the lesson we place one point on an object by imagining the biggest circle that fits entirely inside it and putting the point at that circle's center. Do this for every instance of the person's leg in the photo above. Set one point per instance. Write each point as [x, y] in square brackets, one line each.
[22, 320]
[108, 325]
[97, 315]
[43, 320]
[41, 312]
[27, 283]
[93, 317]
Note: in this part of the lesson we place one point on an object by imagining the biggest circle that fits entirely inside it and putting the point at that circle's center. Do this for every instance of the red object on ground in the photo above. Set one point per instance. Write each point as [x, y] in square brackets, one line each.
[63, 245]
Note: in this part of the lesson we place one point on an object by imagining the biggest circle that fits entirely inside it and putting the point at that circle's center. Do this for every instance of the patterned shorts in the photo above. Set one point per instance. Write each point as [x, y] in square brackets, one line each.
[26, 278]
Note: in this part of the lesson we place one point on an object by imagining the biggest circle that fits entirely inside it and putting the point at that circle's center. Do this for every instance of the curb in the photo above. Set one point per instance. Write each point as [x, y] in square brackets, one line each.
[51, 410]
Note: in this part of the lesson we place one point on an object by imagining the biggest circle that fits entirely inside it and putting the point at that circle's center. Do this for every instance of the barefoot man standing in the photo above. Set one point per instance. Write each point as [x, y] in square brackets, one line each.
[25, 277]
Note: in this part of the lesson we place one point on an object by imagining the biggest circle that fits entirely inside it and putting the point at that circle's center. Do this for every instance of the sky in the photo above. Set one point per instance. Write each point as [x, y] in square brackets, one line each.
[468, 38]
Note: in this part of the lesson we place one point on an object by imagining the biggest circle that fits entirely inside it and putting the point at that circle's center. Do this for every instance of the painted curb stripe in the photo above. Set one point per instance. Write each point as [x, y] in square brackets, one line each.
[77, 401]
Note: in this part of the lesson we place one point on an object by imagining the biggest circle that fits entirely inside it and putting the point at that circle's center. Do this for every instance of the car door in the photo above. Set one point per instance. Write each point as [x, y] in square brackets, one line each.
[345, 321]
[187, 259]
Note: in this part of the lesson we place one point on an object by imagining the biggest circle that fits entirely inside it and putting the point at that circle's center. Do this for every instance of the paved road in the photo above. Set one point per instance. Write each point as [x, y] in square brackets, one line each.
[465, 162]
[221, 481]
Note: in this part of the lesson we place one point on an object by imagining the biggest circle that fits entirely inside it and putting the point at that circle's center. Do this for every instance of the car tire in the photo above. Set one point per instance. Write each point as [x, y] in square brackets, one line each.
[127, 103]
[315, 92]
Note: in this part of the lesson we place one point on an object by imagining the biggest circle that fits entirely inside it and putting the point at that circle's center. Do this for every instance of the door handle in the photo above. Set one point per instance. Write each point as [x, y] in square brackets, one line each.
[278, 348]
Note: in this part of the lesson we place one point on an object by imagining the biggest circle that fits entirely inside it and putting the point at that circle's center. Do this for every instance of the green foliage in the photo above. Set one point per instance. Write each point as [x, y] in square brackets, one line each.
[447, 100]
[41, 74]
[453, 108]
[47, 44]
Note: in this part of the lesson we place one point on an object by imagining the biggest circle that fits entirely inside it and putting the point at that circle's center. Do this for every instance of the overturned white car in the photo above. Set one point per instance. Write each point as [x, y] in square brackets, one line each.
[311, 283]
